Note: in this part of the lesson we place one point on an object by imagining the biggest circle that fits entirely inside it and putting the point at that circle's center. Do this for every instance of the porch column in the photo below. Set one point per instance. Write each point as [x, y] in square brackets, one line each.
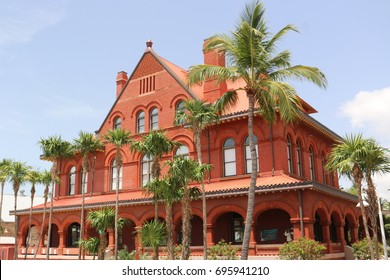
[111, 239]
[61, 245]
[252, 241]
[209, 235]
[326, 235]
[340, 233]
[354, 234]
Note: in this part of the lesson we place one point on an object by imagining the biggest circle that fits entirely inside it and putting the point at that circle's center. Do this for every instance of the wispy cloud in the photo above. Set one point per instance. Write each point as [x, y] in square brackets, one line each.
[20, 20]
[369, 110]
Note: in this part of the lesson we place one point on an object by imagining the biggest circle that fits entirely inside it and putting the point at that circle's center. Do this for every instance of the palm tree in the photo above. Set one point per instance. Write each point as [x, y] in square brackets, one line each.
[3, 178]
[55, 150]
[184, 171]
[46, 181]
[86, 144]
[34, 177]
[17, 175]
[91, 245]
[152, 234]
[347, 158]
[119, 138]
[155, 145]
[251, 53]
[102, 220]
[197, 115]
[376, 161]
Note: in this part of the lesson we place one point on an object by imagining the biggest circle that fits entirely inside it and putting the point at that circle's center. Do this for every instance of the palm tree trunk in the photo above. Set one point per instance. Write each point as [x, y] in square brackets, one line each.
[43, 221]
[186, 229]
[358, 177]
[252, 185]
[30, 221]
[16, 225]
[53, 176]
[82, 218]
[197, 135]
[118, 166]
[1, 203]
[169, 229]
[373, 211]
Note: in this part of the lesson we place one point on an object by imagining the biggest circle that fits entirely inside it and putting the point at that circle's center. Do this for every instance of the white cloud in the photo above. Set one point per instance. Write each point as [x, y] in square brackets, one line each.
[20, 20]
[369, 110]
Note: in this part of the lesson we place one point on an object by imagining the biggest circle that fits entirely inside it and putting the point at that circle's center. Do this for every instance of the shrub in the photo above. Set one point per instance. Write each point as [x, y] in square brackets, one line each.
[361, 250]
[222, 251]
[302, 249]
[124, 254]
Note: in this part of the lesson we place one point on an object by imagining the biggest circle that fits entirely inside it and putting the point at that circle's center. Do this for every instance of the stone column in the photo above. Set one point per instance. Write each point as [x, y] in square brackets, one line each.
[61, 246]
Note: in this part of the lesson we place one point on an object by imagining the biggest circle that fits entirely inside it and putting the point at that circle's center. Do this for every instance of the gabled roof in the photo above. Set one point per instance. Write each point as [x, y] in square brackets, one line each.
[222, 188]
[175, 71]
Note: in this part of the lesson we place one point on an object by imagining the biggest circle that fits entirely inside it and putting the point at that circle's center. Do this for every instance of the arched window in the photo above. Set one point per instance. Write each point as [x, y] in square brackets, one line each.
[248, 159]
[154, 119]
[84, 184]
[182, 151]
[117, 123]
[289, 154]
[311, 164]
[229, 157]
[72, 181]
[73, 235]
[299, 158]
[146, 169]
[141, 122]
[323, 163]
[114, 176]
[180, 108]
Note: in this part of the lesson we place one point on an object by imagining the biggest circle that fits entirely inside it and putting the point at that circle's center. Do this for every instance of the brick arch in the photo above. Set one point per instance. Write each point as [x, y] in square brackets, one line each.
[195, 212]
[154, 104]
[323, 210]
[225, 134]
[129, 216]
[116, 114]
[222, 209]
[110, 156]
[185, 139]
[148, 215]
[137, 109]
[262, 207]
[23, 227]
[176, 99]
[68, 221]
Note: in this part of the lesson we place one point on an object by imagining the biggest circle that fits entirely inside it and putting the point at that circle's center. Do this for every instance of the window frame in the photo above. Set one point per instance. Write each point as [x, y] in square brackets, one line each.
[117, 124]
[299, 158]
[312, 164]
[72, 181]
[232, 148]
[247, 155]
[148, 161]
[113, 176]
[290, 165]
[153, 119]
[139, 118]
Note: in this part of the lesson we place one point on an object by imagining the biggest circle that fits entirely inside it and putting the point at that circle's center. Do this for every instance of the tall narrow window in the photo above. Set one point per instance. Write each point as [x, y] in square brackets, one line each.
[182, 151]
[84, 184]
[146, 169]
[289, 154]
[229, 157]
[311, 164]
[299, 158]
[180, 108]
[114, 176]
[323, 162]
[154, 119]
[117, 123]
[72, 181]
[248, 158]
[141, 122]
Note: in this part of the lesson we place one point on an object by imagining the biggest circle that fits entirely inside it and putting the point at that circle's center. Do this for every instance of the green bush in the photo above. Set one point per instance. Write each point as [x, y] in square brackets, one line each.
[222, 251]
[361, 250]
[302, 249]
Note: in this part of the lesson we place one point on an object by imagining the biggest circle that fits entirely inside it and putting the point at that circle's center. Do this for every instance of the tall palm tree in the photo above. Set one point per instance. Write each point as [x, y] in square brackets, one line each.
[46, 181]
[376, 161]
[33, 177]
[155, 145]
[17, 175]
[56, 150]
[119, 138]
[102, 220]
[85, 145]
[197, 115]
[4, 163]
[347, 158]
[251, 53]
[184, 171]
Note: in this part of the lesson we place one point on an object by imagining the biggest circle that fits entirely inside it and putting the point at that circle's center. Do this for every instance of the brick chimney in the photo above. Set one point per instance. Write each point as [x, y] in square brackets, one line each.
[212, 91]
[121, 79]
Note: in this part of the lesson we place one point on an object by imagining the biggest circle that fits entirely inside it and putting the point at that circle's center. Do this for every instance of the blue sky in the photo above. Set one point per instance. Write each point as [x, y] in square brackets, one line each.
[59, 59]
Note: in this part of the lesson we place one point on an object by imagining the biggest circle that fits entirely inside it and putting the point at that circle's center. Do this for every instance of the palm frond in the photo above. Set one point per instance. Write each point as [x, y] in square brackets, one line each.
[228, 100]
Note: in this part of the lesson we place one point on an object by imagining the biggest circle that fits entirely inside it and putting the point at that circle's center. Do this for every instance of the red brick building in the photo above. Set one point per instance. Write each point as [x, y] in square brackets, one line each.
[294, 193]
